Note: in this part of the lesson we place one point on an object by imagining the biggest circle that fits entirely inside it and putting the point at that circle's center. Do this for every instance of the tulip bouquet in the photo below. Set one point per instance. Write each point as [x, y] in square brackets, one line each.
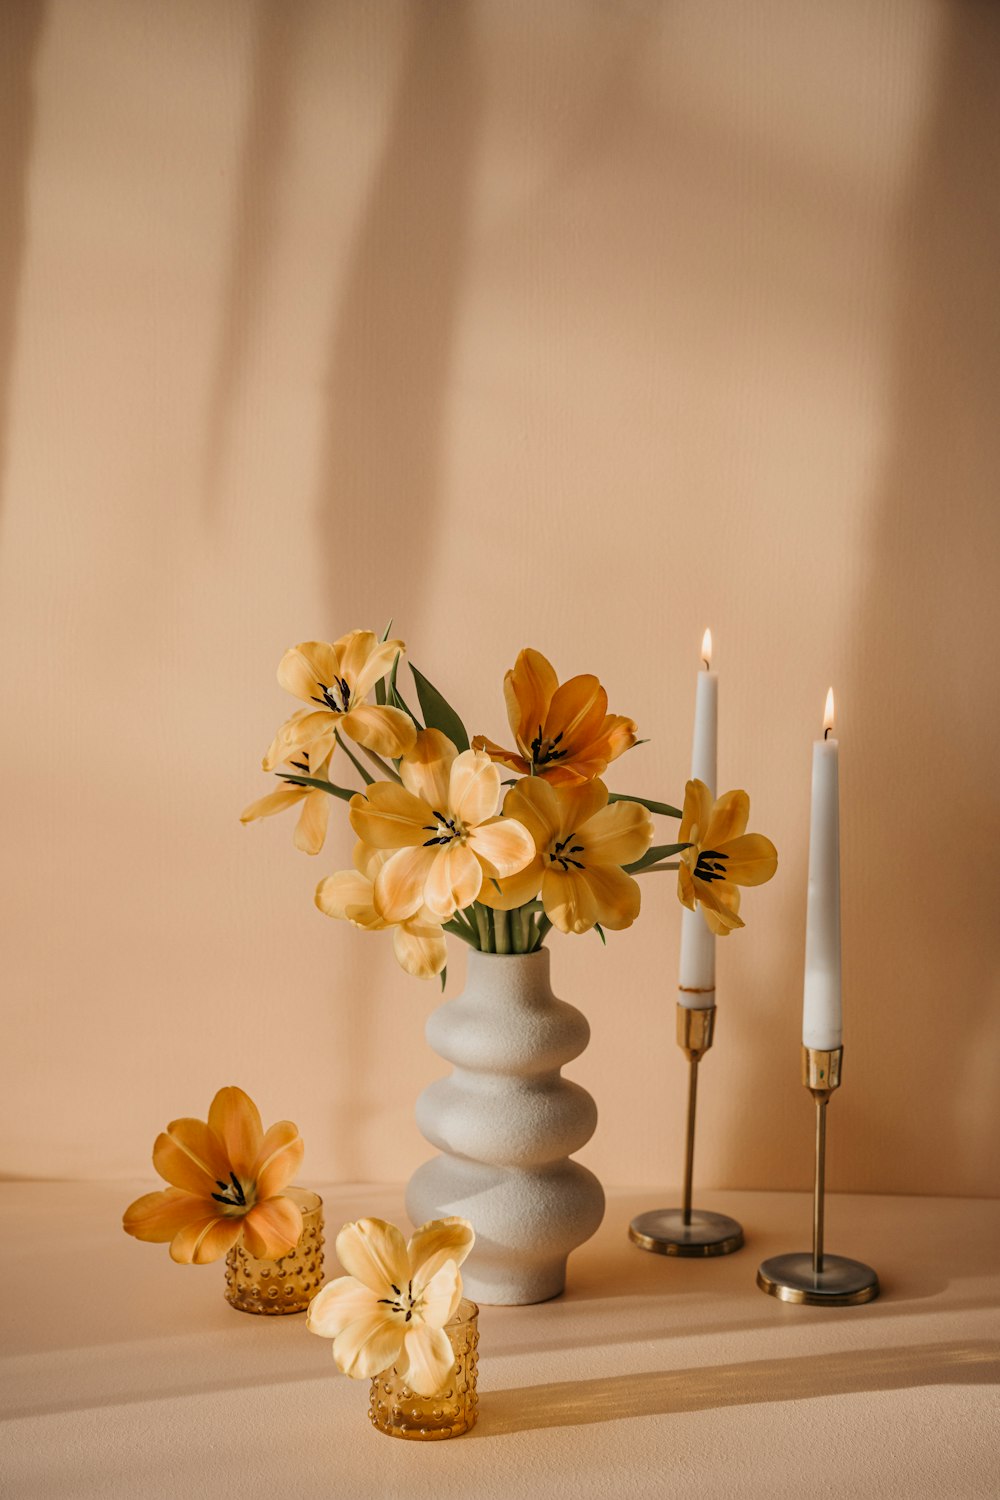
[446, 845]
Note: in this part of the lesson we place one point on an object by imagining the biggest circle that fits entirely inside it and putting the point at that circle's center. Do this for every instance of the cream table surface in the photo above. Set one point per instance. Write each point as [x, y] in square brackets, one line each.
[124, 1375]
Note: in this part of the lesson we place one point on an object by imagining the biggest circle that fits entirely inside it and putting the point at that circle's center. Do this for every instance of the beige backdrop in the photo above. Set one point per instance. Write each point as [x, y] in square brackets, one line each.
[580, 325]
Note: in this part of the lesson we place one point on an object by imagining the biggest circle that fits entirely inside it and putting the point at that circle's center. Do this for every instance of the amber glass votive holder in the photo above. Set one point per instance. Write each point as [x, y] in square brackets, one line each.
[400, 1412]
[280, 1286]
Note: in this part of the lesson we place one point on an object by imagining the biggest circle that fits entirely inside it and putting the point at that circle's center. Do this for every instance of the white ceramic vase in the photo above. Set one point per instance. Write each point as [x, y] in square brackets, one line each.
[506, 1122]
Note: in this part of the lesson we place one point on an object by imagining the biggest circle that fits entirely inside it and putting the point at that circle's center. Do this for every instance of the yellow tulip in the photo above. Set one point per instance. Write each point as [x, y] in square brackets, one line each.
[310, 830]
[418, 942]
[442, 829]
[226, 1182]
[335, 678]
[722, 855]
[563, 733]
[392, 1307]
[581, 842]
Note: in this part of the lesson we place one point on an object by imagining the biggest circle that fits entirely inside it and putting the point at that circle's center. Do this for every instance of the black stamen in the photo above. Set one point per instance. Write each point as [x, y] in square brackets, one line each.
[409, 1315]
[395, 1288]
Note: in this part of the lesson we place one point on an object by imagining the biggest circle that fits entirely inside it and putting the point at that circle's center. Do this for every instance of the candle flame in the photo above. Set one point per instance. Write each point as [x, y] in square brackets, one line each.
[828, 714]
[706, 649]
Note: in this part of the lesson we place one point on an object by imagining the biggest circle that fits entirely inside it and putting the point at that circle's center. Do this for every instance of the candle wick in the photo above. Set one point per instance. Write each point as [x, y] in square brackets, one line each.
[826, 731]
[708, 664]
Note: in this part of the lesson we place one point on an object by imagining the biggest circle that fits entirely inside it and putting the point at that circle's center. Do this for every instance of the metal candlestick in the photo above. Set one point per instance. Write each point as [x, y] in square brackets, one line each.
[821, 1280]
[687, 1230]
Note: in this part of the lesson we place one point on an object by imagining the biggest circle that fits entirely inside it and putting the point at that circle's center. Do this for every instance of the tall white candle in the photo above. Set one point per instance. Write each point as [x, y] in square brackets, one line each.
[696, 985]
[821, 1013]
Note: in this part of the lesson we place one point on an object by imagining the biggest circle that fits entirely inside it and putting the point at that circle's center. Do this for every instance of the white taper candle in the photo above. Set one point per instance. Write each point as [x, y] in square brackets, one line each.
[696, 985]
[822, 1025]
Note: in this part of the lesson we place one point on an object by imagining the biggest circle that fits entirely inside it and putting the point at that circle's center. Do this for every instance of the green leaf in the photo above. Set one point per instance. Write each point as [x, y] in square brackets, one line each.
[396, 697]
[653, 856]
[380, 692]
[600, 933]
[663, 808]
[385, 633]
[444, 978]
[325, 786]
[438, 712]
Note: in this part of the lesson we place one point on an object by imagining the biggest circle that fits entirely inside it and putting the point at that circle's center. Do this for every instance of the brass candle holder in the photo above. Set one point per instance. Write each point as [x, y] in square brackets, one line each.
[819, 1279]
[686, 1230]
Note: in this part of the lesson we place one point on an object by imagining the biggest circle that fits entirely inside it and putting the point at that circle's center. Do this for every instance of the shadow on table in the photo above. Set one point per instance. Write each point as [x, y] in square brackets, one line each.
[665, 1392]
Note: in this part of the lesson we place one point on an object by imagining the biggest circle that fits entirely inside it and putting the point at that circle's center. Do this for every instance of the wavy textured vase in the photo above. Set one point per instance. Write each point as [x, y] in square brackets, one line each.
[506, 1122]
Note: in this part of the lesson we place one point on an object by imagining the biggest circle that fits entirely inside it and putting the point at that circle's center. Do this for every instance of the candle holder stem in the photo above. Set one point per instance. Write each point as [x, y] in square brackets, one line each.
[819, 1188]
[689, 1146]
[687, 1230]
[819, 1279]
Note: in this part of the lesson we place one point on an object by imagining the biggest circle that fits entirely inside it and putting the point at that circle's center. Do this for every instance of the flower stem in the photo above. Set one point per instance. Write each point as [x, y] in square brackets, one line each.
[380, 765]
[353, 759]
[461, 931]
[502, 930]
[543, 927]
[491, 929]
[483, 927]
[517, 930]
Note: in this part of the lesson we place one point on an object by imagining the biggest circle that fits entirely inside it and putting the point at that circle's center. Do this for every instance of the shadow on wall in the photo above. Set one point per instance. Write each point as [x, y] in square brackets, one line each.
[386, 403]
[279, 29]
[923, 691]
[21, 28]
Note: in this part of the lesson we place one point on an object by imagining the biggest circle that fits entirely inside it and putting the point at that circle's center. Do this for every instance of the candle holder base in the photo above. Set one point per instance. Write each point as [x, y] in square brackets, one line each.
[841, 1283]
[663, 1231]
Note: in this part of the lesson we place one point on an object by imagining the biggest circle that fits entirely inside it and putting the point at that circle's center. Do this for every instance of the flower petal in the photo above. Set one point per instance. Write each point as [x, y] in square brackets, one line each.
[750, 860]
[274, 802]
[729, 897]
[278, 1160]
[504, 845]
[617, 896]
[401, 883]
[205, 1240]
[528, 689]
[579, 804]
[515, 890]
[378, 664]
[686, 893]
[310, 831]
[353, 651]
[534, 803]
[437, 1241]
[696, 813]
[387, 731]
[568, 900]
[348, 895]
[369, 1345]
[727, 820]
[618, 834]
[235, 1120]
[453, 880]
[474, 793]
[157, 1217]
[272, 1228]
[426, 769]
[508, 758]
[712, 900]
[421, 950]
[191, 1157]
[426, 1361]
[307, 667]
[440, 1295]
[337, 1305]
[390, 817]
[375, 1253]
[577, 712]
[313, 732]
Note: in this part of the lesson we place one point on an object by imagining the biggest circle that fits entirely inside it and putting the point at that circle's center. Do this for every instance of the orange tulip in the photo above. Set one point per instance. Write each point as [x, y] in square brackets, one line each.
[418, 942]
[563, 733]
[226, 1180]
[313, 802]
